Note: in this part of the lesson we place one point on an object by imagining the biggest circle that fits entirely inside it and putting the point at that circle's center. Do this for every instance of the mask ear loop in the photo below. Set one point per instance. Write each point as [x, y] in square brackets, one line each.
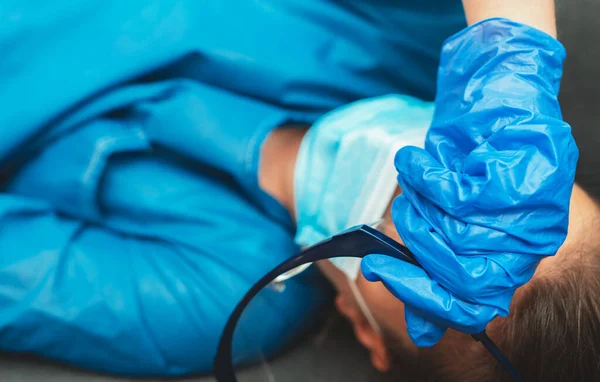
[380, 195]
[358, 242]
[362, 304]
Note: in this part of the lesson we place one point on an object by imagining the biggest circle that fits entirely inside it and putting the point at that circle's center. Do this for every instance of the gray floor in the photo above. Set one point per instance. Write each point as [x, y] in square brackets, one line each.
[330, 355]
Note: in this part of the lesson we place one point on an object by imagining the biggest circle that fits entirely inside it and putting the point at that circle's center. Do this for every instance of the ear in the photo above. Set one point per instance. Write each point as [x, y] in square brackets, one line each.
[365, 334]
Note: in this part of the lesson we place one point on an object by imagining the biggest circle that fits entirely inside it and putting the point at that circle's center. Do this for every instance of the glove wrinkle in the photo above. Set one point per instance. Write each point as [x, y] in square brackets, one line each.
[489, 195]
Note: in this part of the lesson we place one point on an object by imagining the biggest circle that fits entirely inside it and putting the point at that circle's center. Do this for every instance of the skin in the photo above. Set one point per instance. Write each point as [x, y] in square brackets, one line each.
[276, 178]
[539, 14]
[277, 173]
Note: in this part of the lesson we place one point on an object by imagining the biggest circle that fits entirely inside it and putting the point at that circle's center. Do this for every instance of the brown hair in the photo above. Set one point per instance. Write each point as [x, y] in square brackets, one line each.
[552, 333]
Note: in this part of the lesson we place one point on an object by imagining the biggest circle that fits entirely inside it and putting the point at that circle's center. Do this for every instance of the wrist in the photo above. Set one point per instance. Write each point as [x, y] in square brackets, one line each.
[500, 38]
[500, 64]
[539, 14]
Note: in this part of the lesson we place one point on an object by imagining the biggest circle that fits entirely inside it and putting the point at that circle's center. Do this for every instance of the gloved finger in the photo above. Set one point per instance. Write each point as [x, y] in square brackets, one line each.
[451, 191]
[488, 179]
[473, 235]
[429, 246]
[422, 332]
[485, 203]
[411, 285]
[488, 275]
[468, 237]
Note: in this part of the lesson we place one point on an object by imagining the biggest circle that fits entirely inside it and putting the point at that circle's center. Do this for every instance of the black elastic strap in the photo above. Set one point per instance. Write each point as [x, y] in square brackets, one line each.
[496, 353]
[358, 241]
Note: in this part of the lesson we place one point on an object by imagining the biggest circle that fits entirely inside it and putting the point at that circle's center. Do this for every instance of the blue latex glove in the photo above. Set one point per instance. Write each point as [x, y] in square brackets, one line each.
[488, 198]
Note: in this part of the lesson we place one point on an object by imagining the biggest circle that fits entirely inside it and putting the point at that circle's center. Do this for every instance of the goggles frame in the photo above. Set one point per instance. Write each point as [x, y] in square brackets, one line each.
[358, 241]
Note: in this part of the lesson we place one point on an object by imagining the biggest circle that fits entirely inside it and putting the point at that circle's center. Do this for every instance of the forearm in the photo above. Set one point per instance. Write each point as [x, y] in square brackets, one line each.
[539, 14]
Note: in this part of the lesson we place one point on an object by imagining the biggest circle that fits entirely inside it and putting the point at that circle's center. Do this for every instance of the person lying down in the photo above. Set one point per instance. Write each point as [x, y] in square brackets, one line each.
[130, 257]
[552, 333]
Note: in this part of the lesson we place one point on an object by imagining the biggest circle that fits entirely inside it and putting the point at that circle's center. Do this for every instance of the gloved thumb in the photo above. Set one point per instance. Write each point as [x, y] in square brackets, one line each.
[397, 275]
[430, 307]
[422, 332]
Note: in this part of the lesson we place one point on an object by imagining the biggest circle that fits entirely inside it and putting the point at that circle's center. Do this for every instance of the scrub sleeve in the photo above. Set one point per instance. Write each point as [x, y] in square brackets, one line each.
[130, 216]
[128, 240]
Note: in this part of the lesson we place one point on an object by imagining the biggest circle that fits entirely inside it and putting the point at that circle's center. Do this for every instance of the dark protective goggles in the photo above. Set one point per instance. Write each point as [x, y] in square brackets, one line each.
[359, 242]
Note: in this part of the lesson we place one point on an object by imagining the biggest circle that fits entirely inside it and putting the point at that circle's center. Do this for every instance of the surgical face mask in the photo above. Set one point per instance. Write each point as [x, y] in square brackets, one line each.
[345, 173]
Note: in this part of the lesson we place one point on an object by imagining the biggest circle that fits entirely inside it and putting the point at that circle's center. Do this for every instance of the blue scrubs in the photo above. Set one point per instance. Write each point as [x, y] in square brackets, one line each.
[131, 221]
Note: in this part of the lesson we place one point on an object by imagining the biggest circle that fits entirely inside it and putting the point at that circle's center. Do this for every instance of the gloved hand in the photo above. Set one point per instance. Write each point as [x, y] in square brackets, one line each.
[488, 198]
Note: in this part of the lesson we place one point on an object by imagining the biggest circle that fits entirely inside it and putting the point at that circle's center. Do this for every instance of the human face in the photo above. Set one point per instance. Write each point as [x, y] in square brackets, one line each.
[388, 311]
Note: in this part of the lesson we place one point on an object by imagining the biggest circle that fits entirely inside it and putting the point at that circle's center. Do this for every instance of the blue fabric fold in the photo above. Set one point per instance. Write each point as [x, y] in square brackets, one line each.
[132, 221]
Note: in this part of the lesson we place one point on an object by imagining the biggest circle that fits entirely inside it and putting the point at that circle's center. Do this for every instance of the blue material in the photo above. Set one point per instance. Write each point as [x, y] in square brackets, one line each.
[131, 220]
[344, 173]
[121, 254]
[489, 196]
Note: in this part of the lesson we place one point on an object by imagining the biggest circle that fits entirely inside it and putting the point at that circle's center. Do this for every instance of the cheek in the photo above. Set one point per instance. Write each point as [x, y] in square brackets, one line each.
[387, 309]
